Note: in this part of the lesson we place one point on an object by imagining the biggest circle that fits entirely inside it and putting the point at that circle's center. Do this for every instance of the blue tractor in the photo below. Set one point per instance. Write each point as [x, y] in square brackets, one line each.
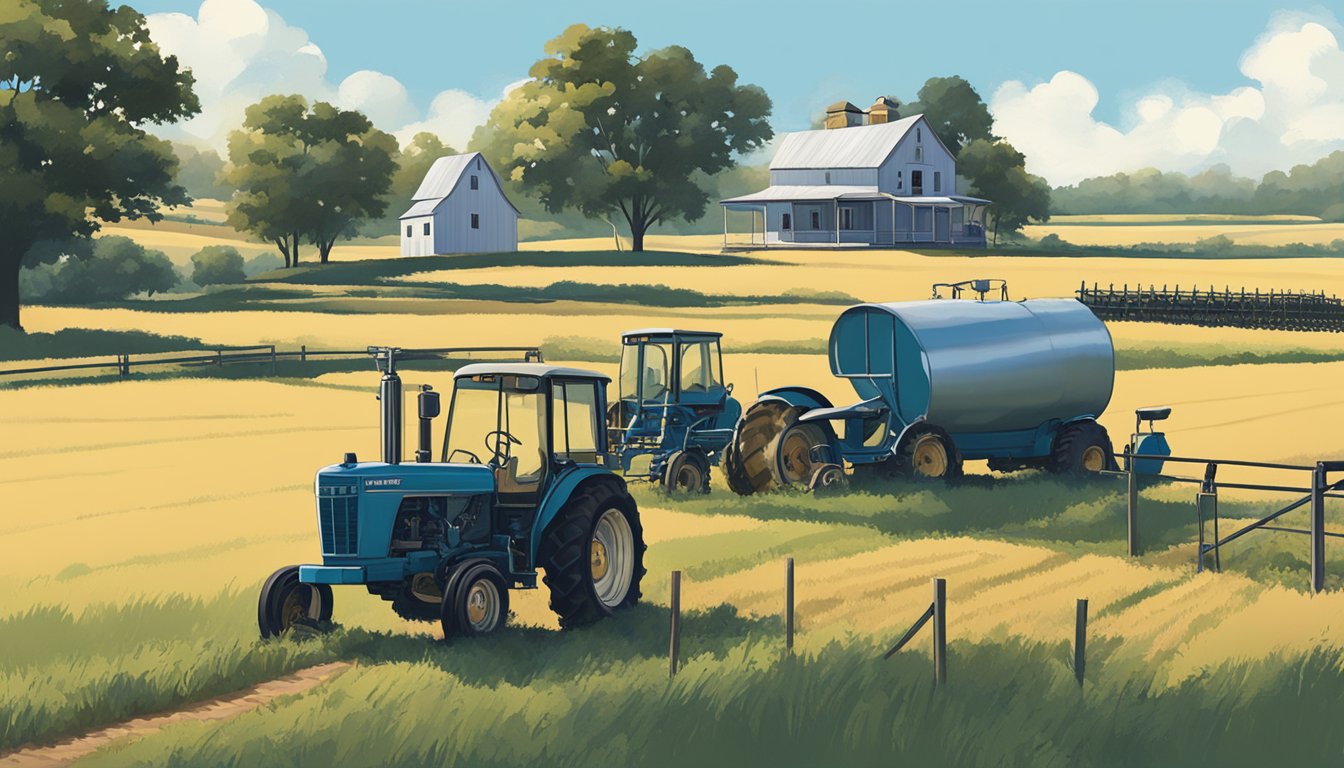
[675, 414]
[522, 483]
[941, 381]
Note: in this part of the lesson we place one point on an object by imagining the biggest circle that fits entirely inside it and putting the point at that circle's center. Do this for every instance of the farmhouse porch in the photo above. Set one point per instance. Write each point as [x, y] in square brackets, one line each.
[846, 216]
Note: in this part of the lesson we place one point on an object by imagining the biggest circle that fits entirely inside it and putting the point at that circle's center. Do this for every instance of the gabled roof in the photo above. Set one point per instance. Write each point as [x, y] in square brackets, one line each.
[860, 146]
[442, 178]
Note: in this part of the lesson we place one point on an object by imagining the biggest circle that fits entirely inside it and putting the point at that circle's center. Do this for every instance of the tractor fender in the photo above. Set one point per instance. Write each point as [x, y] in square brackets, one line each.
[905, 431]
[798, 397]
[559, 494]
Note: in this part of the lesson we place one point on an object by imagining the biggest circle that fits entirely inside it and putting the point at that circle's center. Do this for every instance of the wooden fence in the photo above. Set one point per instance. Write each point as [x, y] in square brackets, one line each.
[1275, 310]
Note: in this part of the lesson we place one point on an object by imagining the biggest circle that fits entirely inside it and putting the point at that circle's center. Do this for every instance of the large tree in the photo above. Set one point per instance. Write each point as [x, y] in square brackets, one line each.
[955, 110]
[998, 172]
[307, 172]
[78, 83]
[605, 131]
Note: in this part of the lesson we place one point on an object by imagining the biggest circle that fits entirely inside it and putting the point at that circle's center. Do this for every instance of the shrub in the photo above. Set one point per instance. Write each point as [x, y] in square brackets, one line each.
[109, 268]
[215, 264]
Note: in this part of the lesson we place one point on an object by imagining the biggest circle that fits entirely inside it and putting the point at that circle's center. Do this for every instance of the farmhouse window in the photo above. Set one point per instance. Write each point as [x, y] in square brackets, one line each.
[828, 177]
[788, 222]
[426, 227]
[937, 181]
[846, 218]
[916, 182]
[919, 154]
[475, 182]
[475, 221]
[816, 219]
[408, 230]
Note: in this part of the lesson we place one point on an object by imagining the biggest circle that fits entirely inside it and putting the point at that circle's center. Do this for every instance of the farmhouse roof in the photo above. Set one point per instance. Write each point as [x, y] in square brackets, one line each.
[860, 146]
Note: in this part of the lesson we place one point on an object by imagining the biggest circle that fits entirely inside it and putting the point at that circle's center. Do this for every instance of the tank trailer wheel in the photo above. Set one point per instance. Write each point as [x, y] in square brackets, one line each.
[927, 453]
[476, 600]
[593, 555]
[1082, 448]
[753, 445]
[686, 473]
[795, 459]
[827, 478]
[286, 602]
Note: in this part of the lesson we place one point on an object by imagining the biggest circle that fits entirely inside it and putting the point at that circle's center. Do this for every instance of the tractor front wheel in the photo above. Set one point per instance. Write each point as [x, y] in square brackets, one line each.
[476, 600]
[685, 473]
[286, 602]
[593, 555]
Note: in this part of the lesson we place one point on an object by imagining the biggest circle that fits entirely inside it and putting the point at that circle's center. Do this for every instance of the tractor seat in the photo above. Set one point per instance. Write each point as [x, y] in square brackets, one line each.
[864, 409]
[507, 479]
[1153, 413]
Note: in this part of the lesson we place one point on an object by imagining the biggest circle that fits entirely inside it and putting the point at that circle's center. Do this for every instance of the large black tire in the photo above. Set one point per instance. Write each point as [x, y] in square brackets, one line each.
[412, 608]
[733, 473]
[576, 569]
[755, 439]
[475, 600]
[686, 472]
[1082, 448]
[927, 452]
[286, 602]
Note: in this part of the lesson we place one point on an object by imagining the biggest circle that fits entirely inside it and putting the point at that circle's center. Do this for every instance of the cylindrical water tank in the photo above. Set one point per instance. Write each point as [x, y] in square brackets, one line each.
[978, 366]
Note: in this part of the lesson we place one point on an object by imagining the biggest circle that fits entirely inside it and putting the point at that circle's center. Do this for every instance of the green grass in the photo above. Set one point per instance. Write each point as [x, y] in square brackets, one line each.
[1133, 359]
[596, 696]
[370, 271]
[86, 342]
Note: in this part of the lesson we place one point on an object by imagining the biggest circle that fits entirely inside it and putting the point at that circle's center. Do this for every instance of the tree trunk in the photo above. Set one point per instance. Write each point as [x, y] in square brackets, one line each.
[295, 248]
[637, 236]
[9, 288]
[324, 249]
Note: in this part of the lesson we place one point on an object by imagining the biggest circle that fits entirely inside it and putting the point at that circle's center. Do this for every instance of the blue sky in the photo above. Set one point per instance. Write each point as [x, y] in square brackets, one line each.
[804, 55]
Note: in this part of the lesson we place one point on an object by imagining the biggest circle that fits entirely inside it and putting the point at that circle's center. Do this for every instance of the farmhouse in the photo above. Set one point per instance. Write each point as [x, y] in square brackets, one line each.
[460, 207]
[862, 180]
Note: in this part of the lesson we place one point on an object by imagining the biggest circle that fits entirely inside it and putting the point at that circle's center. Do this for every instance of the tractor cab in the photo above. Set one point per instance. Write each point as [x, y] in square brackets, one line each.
[672, 400]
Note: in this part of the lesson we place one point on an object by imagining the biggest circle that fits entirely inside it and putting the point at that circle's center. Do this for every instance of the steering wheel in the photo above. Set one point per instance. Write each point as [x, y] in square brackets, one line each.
[472, 458]
[501, 447]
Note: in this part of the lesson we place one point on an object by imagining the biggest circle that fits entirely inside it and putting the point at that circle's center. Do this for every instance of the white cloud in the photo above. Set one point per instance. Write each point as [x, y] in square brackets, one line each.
[240, 51]
[1294, 114]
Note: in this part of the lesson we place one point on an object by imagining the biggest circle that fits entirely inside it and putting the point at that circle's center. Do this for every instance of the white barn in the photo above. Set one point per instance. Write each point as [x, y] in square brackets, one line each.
[460, 207]
[862, 180]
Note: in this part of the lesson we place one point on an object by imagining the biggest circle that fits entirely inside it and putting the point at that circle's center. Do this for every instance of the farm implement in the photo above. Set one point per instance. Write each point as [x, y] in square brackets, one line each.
[521, 484]
[1274, 310]
[675, 414]
[941, 381]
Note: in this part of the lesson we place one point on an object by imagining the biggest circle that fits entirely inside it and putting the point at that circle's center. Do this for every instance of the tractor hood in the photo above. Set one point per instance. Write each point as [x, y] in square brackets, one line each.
[377, 477]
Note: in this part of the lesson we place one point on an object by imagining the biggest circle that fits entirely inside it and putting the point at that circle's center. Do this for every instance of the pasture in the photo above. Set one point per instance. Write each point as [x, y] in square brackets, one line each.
[140, 516]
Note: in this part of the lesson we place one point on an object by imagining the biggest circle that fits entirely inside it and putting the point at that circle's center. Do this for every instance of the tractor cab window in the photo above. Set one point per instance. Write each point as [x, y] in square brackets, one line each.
[700, 367]
[500, 420]
[654, 374]
[629, 380]
[574, 421]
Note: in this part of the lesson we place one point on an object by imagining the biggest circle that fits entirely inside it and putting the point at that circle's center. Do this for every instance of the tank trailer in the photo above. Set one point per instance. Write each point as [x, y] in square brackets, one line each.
[939, 382]
[522, 482]
[674, 408]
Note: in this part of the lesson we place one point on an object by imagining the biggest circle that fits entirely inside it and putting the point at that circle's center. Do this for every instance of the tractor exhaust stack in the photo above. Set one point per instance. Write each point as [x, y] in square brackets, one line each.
[389, 399]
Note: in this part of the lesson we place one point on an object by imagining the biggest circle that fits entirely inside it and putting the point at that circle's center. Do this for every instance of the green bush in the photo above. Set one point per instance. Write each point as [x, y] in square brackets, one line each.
[105, 269]
[215, 264]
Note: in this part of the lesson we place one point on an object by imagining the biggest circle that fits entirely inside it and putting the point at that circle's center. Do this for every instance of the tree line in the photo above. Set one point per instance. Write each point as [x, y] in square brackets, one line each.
[600, 132]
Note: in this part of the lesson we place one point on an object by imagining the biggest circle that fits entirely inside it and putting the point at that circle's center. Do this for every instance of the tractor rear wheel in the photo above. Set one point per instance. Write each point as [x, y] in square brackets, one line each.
[286, 602]
[593, 555]
[686, 472]
[1082, 448]
[733, 473]
[476, 601]
[754, 442]
[928, 453]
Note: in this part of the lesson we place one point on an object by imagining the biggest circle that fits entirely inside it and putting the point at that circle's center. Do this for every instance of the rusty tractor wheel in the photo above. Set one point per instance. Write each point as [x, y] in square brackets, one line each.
[828, 478]
[733, 474]
[686, 473]
[796, 455]
[927, 453]
[752, 452]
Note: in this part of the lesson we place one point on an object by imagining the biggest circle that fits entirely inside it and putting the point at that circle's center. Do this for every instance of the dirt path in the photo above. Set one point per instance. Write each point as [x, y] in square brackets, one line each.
[219, 708]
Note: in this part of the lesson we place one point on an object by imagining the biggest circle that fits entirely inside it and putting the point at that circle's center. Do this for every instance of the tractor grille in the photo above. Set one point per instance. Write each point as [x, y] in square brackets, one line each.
[338, 518]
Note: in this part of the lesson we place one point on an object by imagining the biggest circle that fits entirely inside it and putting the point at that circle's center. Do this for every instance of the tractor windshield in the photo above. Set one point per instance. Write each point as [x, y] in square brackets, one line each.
[700, 367]
[650, 379]
[500, 420]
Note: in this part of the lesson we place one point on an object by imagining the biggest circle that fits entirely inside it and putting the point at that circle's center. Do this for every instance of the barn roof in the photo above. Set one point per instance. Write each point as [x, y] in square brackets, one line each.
[421, 208]
[442, 179]
[860, 146]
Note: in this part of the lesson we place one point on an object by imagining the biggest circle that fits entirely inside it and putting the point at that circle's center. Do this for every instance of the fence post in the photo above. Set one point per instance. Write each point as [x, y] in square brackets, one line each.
[123, 365]
[674, 649]
[272, 358]
[1132, 509]
[1318, 528]
[219, 358]
[788, 606]
[1080, 642]
[303, 353]
[940, 631]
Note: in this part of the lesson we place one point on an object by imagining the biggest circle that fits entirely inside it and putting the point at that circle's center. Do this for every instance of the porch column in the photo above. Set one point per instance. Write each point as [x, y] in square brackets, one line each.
[725, 226]
[893, 223]
[837, 221]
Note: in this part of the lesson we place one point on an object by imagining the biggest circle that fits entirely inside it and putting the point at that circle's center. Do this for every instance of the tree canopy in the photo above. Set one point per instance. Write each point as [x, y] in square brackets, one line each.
[78, 83]
[216, 264]
[307, 172]
[998, 172]
[955, 111]
[605, 131]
